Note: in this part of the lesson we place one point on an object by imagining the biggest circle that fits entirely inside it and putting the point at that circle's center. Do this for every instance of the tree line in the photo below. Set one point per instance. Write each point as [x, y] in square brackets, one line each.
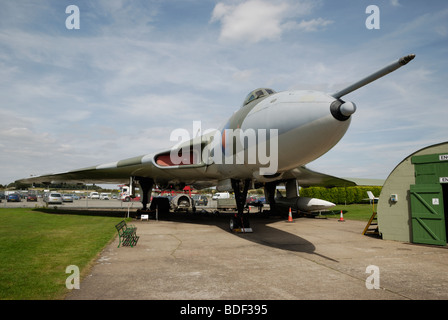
[341, 195]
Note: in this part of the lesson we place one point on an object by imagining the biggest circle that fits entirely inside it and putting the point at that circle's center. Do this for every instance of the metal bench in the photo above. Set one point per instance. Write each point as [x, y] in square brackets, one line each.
[126, 234]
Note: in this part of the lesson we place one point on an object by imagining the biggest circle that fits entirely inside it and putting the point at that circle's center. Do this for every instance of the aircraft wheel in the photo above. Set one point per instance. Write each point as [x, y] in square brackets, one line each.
[234, 223]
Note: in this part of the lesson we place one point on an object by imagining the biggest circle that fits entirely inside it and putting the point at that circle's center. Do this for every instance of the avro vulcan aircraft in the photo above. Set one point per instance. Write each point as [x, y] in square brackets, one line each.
[268, 141]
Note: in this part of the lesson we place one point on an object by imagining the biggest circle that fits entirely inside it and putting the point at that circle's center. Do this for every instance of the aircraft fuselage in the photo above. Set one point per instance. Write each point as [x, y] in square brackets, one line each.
[305, 130]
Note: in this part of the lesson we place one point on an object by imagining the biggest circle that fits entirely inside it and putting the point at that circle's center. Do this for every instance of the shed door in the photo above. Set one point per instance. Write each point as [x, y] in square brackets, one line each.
[428, 217]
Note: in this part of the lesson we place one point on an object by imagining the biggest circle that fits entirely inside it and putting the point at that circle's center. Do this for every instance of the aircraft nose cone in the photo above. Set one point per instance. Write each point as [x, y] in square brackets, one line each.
[348, 108]
[342, 110]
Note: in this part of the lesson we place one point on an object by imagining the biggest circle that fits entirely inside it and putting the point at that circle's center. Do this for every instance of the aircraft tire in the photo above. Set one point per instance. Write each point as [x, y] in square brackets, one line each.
[234, 223]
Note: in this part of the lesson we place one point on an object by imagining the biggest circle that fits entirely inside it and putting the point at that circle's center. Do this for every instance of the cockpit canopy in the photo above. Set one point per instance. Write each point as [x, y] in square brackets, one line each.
[257, 94]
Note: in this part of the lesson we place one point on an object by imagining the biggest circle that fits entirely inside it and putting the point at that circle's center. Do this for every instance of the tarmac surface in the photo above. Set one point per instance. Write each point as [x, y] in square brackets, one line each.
[196, 257]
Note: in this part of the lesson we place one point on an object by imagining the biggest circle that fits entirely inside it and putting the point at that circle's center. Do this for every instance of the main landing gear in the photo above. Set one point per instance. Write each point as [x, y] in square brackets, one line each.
[146, 185]
[240, 222]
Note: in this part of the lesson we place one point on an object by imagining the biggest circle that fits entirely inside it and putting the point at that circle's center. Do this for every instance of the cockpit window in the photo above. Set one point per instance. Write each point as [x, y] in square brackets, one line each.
[256, 94]
[249, 98]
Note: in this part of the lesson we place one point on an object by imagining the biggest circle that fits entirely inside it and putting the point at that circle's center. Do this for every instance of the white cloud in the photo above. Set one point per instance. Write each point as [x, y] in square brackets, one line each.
[251, 21]
[254, 21]
[310, 25]
[257, 20]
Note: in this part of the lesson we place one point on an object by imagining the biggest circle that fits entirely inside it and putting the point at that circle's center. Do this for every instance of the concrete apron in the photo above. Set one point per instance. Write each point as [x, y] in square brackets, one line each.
[195, 258]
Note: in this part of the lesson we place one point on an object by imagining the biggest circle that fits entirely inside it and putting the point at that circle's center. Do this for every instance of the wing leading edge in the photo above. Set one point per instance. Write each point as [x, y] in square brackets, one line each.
[144, 166]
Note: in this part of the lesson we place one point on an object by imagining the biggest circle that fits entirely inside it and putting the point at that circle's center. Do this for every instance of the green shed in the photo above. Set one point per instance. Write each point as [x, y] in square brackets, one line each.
[413, 204]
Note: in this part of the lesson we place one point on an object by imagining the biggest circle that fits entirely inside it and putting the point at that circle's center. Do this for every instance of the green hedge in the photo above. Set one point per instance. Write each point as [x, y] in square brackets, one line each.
[341, 195]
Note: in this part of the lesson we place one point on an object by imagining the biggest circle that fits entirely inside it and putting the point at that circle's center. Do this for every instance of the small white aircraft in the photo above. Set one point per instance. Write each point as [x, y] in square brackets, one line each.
[372, 198]
[293, 127]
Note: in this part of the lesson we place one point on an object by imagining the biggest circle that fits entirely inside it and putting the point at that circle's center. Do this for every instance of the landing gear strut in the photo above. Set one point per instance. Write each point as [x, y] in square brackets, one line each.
[269, 193]
[146, 184]
[240, 222]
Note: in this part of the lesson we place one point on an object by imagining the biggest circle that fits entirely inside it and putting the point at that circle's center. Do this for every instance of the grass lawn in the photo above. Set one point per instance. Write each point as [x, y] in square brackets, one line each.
[36, 247]
[361, 212]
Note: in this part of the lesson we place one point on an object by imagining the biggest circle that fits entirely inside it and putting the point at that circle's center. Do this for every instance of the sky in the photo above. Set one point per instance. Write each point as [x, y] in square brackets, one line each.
[134, 71]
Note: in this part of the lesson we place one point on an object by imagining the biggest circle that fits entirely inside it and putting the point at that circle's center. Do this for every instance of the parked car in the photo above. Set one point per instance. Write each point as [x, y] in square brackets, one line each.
[262, 200]
[200, 200]
[53, 197]
[31, 197]
[221, 195]
[13, 198]
[94, 195]
[67, 198]
[104, 196]
[250, 200]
